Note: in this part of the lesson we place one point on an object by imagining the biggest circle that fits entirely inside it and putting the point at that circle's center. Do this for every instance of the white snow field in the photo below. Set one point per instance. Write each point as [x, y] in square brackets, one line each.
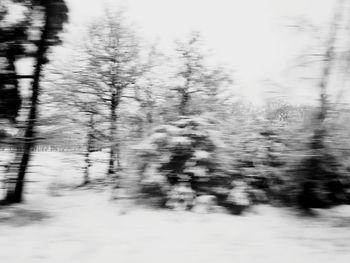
[86, 226]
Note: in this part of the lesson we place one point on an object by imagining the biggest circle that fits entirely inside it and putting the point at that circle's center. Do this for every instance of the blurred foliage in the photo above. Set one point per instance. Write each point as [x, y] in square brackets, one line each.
[19, 38]
[194, 137]
[266, 152]
[182, 151]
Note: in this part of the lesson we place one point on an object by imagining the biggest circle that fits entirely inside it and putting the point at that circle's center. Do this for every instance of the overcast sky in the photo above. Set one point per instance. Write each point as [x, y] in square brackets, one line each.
[253, 37]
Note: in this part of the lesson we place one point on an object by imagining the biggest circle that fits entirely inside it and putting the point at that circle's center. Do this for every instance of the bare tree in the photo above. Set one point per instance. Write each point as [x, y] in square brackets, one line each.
[195, 75]
[72, 95]
[112, 66]
[322, 167]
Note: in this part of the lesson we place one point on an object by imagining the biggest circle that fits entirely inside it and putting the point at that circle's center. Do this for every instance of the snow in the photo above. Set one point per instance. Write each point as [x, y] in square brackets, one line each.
[180, 140]
[86, 226]
[200, 155]
[198, 171]
[169, 129]
[152, 176]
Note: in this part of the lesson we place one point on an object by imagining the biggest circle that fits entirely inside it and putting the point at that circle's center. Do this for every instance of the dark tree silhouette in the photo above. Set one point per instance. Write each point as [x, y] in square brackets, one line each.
[13, 37]
[321, 183]
[48, 18]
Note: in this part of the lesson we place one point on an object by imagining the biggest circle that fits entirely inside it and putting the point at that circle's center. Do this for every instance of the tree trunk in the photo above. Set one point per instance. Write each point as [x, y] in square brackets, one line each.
[88, 150]
[112, 134]
[86, 179]
[117, 150]
[183, 104]
[15, 192]
[320, 132]
[308, 197]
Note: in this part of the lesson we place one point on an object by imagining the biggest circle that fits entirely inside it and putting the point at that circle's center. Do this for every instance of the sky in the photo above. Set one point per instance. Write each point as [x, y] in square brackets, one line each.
[257, 39]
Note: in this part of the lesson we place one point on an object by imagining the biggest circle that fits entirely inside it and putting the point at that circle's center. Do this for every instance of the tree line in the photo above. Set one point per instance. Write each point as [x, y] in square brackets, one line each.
[168, 120]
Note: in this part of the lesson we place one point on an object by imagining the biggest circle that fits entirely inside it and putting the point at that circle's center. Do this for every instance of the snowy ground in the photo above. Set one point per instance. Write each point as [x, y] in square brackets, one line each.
[85, 226]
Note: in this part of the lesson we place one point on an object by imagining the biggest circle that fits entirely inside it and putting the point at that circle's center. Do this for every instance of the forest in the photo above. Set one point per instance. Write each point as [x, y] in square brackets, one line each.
[116, 115]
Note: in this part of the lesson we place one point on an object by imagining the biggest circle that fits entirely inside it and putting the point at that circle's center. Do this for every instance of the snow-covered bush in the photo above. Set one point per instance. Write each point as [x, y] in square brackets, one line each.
[186, 150]
[205, 203]
[181, 197]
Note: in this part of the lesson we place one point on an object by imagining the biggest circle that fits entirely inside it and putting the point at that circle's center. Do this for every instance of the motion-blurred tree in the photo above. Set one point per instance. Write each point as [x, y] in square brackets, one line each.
[73, 101]
[321, 178]
[195, 75]
[186, 149]
[151, 91]
[113, 66]
[13, 38]
[44, 20]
